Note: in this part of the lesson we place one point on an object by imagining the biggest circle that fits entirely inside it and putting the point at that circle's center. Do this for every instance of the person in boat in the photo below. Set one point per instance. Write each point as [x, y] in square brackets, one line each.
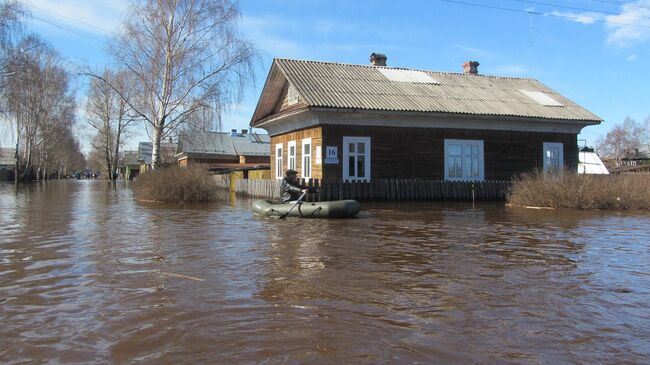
[291, 190]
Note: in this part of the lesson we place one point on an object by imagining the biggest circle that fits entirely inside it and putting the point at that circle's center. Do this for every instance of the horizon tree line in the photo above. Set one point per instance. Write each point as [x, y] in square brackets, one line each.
[36, 101]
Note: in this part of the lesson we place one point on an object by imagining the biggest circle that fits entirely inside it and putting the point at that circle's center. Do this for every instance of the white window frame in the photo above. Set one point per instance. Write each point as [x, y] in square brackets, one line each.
[306, 173]
[279, 173]
[547, 146]
[291, 159]
[481, 159]
[346, 157]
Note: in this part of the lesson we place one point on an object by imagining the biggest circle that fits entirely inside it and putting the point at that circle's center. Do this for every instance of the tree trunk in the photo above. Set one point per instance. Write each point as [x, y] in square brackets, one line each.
[155, 153]
[117, 152]
[29, 161]
[16, 155]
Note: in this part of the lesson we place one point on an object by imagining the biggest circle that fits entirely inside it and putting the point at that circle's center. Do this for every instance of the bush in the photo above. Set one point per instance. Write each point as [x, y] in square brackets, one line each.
[175, 185]
[572, 190]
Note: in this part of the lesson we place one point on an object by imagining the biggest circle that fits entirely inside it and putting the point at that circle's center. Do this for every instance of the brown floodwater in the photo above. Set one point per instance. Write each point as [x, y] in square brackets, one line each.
[87, 275]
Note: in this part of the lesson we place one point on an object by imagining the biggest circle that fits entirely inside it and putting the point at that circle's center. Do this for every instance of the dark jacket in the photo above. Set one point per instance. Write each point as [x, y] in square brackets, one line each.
[289, 191]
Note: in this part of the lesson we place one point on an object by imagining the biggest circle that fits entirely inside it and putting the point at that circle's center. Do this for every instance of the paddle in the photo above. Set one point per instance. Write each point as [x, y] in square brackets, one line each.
[283, 216]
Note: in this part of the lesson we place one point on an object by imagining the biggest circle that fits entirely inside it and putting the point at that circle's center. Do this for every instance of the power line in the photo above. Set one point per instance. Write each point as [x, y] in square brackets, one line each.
[69, 18]
[573, 8]
[68, 29]
[533, 12]
[623, 3]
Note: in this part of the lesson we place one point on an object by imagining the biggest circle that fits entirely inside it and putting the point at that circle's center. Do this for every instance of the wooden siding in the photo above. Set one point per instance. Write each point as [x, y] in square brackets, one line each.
[419, 152]
[283, 101]
[316, 142]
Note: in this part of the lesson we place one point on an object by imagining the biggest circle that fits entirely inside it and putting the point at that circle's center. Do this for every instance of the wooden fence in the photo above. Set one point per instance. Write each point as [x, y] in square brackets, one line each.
[379, 189]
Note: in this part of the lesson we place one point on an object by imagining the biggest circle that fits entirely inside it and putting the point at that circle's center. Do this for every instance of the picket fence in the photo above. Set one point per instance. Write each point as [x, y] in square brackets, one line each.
[377, 189]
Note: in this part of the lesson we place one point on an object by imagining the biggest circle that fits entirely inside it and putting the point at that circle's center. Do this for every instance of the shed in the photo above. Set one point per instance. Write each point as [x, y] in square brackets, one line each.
[590, 162]
[220, 150]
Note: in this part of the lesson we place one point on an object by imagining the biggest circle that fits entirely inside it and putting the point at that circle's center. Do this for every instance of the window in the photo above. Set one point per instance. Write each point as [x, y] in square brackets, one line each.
[279, 173]
[553, 157]
[291, 155]
[292, 95]
[306, 158]
[464, 160]
[356, 158]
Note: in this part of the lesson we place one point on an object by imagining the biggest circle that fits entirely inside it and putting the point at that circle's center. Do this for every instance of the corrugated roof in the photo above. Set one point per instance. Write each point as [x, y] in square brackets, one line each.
[225, 144]
[167, 151]
[252, 144]
[207, 142]
[347, 86]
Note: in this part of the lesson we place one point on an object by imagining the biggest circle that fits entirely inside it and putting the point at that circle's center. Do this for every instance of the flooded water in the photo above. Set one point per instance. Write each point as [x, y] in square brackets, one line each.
[87, 275]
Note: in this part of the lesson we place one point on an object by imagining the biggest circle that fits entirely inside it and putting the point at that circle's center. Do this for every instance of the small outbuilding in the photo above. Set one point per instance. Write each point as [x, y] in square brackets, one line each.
[7, 159]
[224, 151]
[350, 122]
[590, 162]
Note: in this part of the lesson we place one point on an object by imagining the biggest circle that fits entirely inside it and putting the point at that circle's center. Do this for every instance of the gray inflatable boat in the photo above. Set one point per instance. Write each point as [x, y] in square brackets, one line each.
[331, 209]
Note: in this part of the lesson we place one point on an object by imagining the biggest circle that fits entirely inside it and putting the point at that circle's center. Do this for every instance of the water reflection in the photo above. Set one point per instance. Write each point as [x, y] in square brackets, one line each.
[89, 275]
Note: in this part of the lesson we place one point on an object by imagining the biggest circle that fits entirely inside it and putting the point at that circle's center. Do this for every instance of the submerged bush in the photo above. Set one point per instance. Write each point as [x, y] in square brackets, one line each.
[175, 185]
[572, 190]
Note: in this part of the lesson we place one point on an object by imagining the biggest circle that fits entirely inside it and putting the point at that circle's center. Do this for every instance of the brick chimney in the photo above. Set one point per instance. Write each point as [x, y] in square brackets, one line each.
[378, 59]
[471, 67]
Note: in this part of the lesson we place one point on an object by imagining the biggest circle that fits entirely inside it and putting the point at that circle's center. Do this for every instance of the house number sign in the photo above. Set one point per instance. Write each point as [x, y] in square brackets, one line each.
[331, 155]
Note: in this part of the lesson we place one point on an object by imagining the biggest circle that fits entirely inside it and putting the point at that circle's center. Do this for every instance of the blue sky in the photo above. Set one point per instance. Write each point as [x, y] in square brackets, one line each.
[594, 52]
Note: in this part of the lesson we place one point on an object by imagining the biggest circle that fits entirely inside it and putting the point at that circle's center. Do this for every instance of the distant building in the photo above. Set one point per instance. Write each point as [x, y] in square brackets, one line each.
[129, 165]
[145, 153]
[7, 159]
[637, 156]
[351, 122]
[223, 151]
[590, 163]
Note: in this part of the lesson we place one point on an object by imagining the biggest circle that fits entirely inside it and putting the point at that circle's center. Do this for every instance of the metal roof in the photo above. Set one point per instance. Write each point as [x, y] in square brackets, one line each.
[348, 86]
[167, 151]
[250, 144]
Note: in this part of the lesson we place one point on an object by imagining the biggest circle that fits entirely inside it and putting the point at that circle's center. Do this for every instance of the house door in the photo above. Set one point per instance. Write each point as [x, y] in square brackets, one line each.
[553, 157]
[356, 158]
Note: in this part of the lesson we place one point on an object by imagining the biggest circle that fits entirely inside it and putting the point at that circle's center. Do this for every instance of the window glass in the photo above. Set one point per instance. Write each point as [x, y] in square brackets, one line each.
[464, 159]
[361, 170]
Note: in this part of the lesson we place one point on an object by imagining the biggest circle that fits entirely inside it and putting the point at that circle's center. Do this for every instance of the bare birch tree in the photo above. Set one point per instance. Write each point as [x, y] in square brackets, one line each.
[622, 139]
[42, 105]
[109, 115]
[185, 56]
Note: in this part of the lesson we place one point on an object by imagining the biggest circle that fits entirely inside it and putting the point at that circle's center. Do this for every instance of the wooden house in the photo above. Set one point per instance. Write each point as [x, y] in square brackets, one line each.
[350, 122]
[224, 151]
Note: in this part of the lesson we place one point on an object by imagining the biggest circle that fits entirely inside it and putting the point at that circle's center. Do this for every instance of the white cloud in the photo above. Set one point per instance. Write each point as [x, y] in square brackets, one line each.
[632, 57]
[261, 31]
[582, 18]
[631, 26]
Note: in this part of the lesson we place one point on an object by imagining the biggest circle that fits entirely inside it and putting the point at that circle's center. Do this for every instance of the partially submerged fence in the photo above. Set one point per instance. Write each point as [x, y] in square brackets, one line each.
[377, 189]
